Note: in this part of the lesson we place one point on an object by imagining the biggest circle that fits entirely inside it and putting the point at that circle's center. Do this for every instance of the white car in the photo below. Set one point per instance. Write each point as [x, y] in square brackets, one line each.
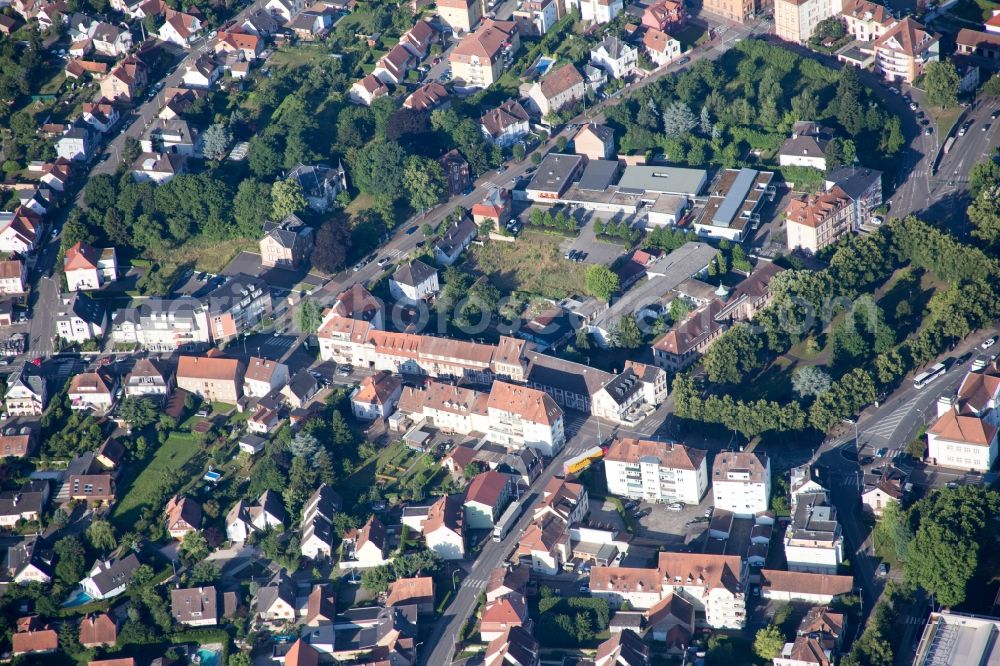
[988, 342]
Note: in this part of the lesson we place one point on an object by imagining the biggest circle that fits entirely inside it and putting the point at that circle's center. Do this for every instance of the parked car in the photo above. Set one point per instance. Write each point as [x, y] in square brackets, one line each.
[676, 506]
[928, 131]
[344, 371]
[881, 452]
[988, 342]
[883, 570]
[995, 115]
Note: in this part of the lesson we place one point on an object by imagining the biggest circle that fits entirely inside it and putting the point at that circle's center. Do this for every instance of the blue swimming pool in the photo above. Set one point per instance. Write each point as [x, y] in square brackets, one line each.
[543, 65]
[208, 657]
[78, 598]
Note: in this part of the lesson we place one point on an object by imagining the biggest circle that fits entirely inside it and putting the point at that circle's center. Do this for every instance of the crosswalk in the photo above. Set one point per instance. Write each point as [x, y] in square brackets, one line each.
[886, 427]
[475, 581]
[915, 621]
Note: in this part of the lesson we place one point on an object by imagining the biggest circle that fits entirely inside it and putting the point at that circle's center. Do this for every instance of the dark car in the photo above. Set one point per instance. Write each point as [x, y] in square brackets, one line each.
[883, 570]
[867, 460]
[683, 61]
[412, 230]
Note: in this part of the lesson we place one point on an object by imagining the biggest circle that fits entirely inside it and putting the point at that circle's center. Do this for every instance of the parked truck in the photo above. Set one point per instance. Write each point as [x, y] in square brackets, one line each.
[507, 520]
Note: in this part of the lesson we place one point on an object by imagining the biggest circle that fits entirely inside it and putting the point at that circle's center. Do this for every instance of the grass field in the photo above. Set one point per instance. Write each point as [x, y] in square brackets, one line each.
[211, 257]
[169, 459]
[976, 11]
[532, 264]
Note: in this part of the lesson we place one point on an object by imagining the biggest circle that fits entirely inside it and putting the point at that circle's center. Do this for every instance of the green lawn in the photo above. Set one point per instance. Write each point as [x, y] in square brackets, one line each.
[690, 35]
[297, 55]
[170, 459]
[222, 407]
[976, 11]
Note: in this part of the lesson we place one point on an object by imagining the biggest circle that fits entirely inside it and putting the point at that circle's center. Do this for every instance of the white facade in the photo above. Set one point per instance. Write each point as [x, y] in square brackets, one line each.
[741, 483]
[656, 478]
[515, 431]
[597, 11]
[617, 65]
[446, 542]
[961, 454]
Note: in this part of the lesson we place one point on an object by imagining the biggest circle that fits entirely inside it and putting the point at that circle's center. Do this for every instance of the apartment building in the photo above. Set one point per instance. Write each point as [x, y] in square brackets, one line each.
[597, 11]
[556, 90]
[535, 17]
[714, 584]
[212, 378]
[656, 471]
[164, 325]
[525, 417]
[286, 244]
[903, 51]
[866, 21]
[964, 435]
[505, 125]
[684, 344]
[511, 415]
[26, 393]
[479, 59]
[814, 541]
[88, 267]
[13, 273]
[740, 11]
[862, 185]
[814, 221]
[236, 306]
[461, 15]
[741, 483]
[796, 20]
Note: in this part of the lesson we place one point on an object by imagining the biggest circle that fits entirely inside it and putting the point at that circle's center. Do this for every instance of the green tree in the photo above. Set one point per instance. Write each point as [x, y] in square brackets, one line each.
[768, 642]
[194, 547]
[308, 317]
[70, 565]
[203, 573]
[377, 168]
[952, 524]
[239, 659]
[941, 82]
[251, 207]
[101, 535]
[892, 534]
[627, 334]
[678, 119]
[138, 412]
[601, 282]
[287, 198]
[100, 192]
[424, 181]
[679, 310]
[734, 355]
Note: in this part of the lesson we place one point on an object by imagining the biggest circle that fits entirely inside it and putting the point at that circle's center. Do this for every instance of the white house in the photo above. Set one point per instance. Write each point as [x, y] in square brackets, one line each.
[203, 72]
[245, 518]
[367, 546]
[414, 281]
[93, 390]
[377, 396]
[158, 168]
[80, 318]
[807, 146]
[75, 144]
[812, 588]
[443, 528]
[741, 483]
[88, 267]
[505, 125]
[263, 376]
[964, 436]
[284, 10]
[109, 578]
[615, 57]
[179, 28]
[456, 239]
[597, 11]
[656, 471]
[13, 273]
[661, 48]
[317, 523]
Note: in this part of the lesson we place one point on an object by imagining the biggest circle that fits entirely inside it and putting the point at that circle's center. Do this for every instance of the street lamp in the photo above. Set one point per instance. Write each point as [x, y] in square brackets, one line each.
[855, 424]
[454, 585]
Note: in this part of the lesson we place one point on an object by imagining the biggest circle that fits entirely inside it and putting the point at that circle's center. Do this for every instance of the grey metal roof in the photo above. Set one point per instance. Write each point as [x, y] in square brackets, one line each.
[663, 179]
[413, 273]
[599, 175]
[855, 181]
[733, 201]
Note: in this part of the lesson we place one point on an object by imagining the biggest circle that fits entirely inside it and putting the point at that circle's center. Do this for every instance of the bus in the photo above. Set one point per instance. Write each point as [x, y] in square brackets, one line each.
[577, 464]
[507, 520]
[932, 373]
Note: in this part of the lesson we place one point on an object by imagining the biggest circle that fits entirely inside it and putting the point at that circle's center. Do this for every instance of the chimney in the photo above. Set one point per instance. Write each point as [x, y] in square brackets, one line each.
[945, 404]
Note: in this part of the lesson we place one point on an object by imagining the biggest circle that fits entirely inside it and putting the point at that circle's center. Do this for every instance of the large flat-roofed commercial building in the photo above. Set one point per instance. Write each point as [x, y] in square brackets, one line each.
[656, 180]
[734, 203]
[955, 639]
[554, 176]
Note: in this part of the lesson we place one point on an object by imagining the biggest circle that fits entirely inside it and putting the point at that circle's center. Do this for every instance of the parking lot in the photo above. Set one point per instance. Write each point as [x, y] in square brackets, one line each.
[673, 528]
[595, 251]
